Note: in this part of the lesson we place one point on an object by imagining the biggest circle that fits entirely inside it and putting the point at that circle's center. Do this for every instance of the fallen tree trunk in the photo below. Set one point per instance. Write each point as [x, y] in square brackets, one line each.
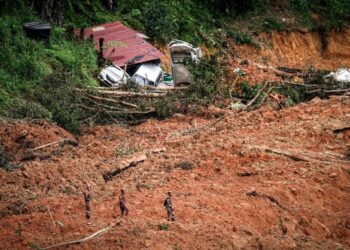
[340, 130]
[62, 143]
[119, 112]
[132, 112]
[124, 93]
[290, 70]
[145, 87]
[276, 71]
[166, 89]
[331, 91]
[100, 104]
[254, 193]
[130, 105]
[94, 235]
[130, 163]
[265, 97]
[124, 166]
[192, 131]
[255, 97]
[305, 156]
[130, 94]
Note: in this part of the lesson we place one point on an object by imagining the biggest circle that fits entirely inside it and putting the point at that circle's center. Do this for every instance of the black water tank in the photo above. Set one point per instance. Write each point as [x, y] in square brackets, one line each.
[38, 31]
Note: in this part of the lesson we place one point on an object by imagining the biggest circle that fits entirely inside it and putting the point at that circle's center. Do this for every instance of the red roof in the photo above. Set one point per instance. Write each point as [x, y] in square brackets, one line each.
[121, 43]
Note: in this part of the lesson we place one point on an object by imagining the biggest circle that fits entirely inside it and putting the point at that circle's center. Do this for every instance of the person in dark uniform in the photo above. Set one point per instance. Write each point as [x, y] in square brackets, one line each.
[87, 199]
[169, 207]
[122, 203]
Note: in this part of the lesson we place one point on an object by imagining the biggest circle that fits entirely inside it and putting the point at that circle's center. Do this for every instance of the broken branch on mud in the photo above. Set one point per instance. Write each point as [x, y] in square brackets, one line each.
[256, 96]
[130, 105]
[305, 156]
[192, 131]
[62, 143]
[124, 93]
[340, 130]
[130, 163]
[265, 97]
[254, 193]
[94, 235]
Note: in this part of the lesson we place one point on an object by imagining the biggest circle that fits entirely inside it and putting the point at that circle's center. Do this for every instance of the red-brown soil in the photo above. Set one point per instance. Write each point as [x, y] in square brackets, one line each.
[210, 201]
[294, 49]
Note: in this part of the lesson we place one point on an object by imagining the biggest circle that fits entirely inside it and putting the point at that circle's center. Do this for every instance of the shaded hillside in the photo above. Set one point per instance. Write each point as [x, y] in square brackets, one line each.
[38, 81]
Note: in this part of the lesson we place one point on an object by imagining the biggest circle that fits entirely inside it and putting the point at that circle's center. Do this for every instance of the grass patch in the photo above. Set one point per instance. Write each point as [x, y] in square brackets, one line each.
[163, 227]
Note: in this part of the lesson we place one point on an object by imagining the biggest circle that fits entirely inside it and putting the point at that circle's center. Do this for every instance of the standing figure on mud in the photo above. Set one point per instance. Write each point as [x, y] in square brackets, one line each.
[124, 210]
[87, 199]
[169, 207]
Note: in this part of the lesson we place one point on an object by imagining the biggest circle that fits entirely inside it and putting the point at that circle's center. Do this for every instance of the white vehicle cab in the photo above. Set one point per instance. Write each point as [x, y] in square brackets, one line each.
[179, 52]
[148, 74]
[113, 76]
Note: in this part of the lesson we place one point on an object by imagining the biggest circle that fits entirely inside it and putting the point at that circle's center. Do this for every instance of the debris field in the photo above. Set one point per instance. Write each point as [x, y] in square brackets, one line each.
[263, 179]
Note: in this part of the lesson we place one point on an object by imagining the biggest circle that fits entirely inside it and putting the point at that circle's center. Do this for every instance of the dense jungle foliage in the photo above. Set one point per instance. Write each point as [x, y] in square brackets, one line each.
[37, 81]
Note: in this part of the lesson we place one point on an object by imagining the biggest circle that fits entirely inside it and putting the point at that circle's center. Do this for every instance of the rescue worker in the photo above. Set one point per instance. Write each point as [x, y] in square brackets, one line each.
[169, 207]
[87, 199]
[124, 210]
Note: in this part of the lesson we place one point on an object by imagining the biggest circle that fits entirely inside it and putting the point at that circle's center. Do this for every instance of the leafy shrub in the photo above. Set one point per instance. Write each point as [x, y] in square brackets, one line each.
[294, 94]
[163, 227]
[334, 13]
[272, 24]
[302, 9]
[20, 108]
[164, 107]
[241, 37]
[5, 161]
[159, 24]
[243, 6]
[207, 76]
[247, 91]
[37, 80]
[205, 89]
[57, 95]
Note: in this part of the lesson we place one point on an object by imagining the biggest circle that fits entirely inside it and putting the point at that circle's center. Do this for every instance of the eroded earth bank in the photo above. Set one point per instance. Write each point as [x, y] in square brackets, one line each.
[255, 180]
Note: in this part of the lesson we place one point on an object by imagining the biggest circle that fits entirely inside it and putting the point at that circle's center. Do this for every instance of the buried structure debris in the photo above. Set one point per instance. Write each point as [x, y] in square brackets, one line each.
[120, 44]
[126, 49]
[133, 58]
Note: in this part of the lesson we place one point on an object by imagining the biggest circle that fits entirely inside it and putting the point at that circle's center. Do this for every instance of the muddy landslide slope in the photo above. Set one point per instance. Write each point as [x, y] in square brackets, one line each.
[255, 180]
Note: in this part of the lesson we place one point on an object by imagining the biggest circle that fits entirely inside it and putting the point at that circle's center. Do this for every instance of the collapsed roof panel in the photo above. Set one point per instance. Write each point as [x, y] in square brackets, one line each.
[121, 44]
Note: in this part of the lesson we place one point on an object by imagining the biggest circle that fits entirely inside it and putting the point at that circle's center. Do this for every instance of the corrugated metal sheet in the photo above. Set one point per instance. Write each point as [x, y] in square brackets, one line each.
[121, 43]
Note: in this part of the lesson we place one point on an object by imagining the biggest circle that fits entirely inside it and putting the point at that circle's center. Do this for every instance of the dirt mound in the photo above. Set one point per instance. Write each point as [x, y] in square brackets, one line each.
[20, 136]
[294, 160]
[295, 49]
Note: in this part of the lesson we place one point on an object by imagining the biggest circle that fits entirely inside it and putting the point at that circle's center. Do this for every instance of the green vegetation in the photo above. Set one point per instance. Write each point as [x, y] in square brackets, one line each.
[5, 161]
[241, 37]
[163, 227]
[40, 81]
[35, 78]
[331, 13]
[294, 94]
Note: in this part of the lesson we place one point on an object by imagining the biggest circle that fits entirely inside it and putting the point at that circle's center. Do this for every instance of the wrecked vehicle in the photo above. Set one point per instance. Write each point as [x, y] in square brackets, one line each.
[113, 75]
[148, 74]
[181, 51]
[341, 75]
